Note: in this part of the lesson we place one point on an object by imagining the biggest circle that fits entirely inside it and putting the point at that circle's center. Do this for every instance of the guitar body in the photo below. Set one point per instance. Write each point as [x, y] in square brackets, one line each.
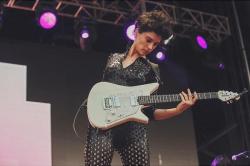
[110, 104]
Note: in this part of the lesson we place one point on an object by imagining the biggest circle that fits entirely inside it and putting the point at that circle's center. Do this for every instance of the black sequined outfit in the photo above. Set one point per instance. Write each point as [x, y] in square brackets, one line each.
[130, 140]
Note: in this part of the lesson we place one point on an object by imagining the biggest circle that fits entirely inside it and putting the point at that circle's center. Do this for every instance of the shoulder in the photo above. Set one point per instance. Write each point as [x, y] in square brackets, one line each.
[156, 70]
[114, 59]
[153, 65]
[117, 55]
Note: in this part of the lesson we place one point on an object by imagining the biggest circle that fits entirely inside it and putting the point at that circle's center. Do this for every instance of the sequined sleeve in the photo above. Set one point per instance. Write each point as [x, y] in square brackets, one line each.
[113, 61]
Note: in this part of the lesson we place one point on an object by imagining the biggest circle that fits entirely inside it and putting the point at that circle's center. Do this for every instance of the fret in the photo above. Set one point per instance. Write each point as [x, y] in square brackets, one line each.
[168, 98]
[158, 99]
[178, 98]
[202, 96]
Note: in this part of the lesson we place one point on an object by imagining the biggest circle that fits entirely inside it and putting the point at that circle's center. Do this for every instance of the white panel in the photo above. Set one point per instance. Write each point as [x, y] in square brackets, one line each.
[25, 127]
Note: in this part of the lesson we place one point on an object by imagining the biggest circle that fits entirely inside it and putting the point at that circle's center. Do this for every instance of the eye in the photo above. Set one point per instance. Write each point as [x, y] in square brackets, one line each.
[156, 44]
[148, 40]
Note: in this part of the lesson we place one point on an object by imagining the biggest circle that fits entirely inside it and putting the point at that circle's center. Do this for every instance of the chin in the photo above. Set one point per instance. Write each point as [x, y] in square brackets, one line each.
[143, 53]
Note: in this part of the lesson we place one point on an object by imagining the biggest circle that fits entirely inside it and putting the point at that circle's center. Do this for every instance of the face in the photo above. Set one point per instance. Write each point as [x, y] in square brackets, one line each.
[146, 42]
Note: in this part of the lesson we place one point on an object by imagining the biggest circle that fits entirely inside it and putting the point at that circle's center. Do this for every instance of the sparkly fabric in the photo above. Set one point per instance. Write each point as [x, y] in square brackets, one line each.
[130, 140]
[138, 73]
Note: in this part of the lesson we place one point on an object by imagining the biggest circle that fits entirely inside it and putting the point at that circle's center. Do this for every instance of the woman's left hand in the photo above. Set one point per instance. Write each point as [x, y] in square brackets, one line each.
[188, 99]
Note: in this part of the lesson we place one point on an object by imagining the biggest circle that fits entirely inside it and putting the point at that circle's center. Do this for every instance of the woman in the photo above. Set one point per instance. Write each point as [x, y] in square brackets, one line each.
[132, 68]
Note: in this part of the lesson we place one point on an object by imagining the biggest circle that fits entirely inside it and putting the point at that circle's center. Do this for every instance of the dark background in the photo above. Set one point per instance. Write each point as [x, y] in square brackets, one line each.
[67, 72]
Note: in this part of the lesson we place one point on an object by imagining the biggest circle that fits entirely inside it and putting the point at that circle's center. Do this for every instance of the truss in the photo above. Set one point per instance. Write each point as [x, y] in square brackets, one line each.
[117, 12]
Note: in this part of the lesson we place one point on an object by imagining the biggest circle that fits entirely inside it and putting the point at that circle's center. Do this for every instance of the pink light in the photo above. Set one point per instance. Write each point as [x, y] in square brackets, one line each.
[130, 32]
[48, 20]
[201, 42]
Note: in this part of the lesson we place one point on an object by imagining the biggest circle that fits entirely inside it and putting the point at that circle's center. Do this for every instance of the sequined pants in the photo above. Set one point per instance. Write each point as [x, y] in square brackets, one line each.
[129, 140]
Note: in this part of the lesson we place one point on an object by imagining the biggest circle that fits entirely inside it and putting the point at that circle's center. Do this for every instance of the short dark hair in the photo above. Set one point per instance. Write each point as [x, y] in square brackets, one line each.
[155, 21]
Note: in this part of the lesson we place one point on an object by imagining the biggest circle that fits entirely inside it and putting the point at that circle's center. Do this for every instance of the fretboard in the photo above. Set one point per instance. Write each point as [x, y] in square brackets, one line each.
[172, 98]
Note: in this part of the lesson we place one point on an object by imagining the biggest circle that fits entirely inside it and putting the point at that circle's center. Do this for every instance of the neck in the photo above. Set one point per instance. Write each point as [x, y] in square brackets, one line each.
[132, 53]
[144, 100]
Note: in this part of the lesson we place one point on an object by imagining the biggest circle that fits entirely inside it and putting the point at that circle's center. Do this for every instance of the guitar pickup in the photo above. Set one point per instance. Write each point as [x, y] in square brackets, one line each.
[110, 102]
[107, 103]
[116, 101]
[133, 101]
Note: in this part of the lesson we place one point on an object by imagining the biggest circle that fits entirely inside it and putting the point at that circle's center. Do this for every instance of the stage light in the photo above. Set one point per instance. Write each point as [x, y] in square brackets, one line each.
[85, 33]
[160, 56]
[221, 66]
[221, 160]
[166, 42]
[201, 41]
[130, 32]
[47, 19]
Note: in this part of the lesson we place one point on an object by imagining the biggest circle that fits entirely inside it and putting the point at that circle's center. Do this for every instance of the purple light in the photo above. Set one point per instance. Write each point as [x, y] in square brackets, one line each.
[201, 41]
[84, 34]
[221, 66]
[161, 56]
[47, 20]
[130, 32]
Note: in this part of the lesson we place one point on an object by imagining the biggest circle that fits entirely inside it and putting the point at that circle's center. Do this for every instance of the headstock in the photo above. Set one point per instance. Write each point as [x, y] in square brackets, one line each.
[228, 96]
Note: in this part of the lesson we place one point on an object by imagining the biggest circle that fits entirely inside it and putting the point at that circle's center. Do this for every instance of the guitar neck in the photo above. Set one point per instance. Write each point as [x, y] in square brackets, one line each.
[143, 100]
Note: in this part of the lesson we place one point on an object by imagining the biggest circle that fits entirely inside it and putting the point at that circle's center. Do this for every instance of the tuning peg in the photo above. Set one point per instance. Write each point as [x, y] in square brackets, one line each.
[229, 101]
[237, 98]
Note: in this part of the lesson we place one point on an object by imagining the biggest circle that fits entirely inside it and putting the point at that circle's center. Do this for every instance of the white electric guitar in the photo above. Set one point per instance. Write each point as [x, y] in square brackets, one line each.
[110, 104]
